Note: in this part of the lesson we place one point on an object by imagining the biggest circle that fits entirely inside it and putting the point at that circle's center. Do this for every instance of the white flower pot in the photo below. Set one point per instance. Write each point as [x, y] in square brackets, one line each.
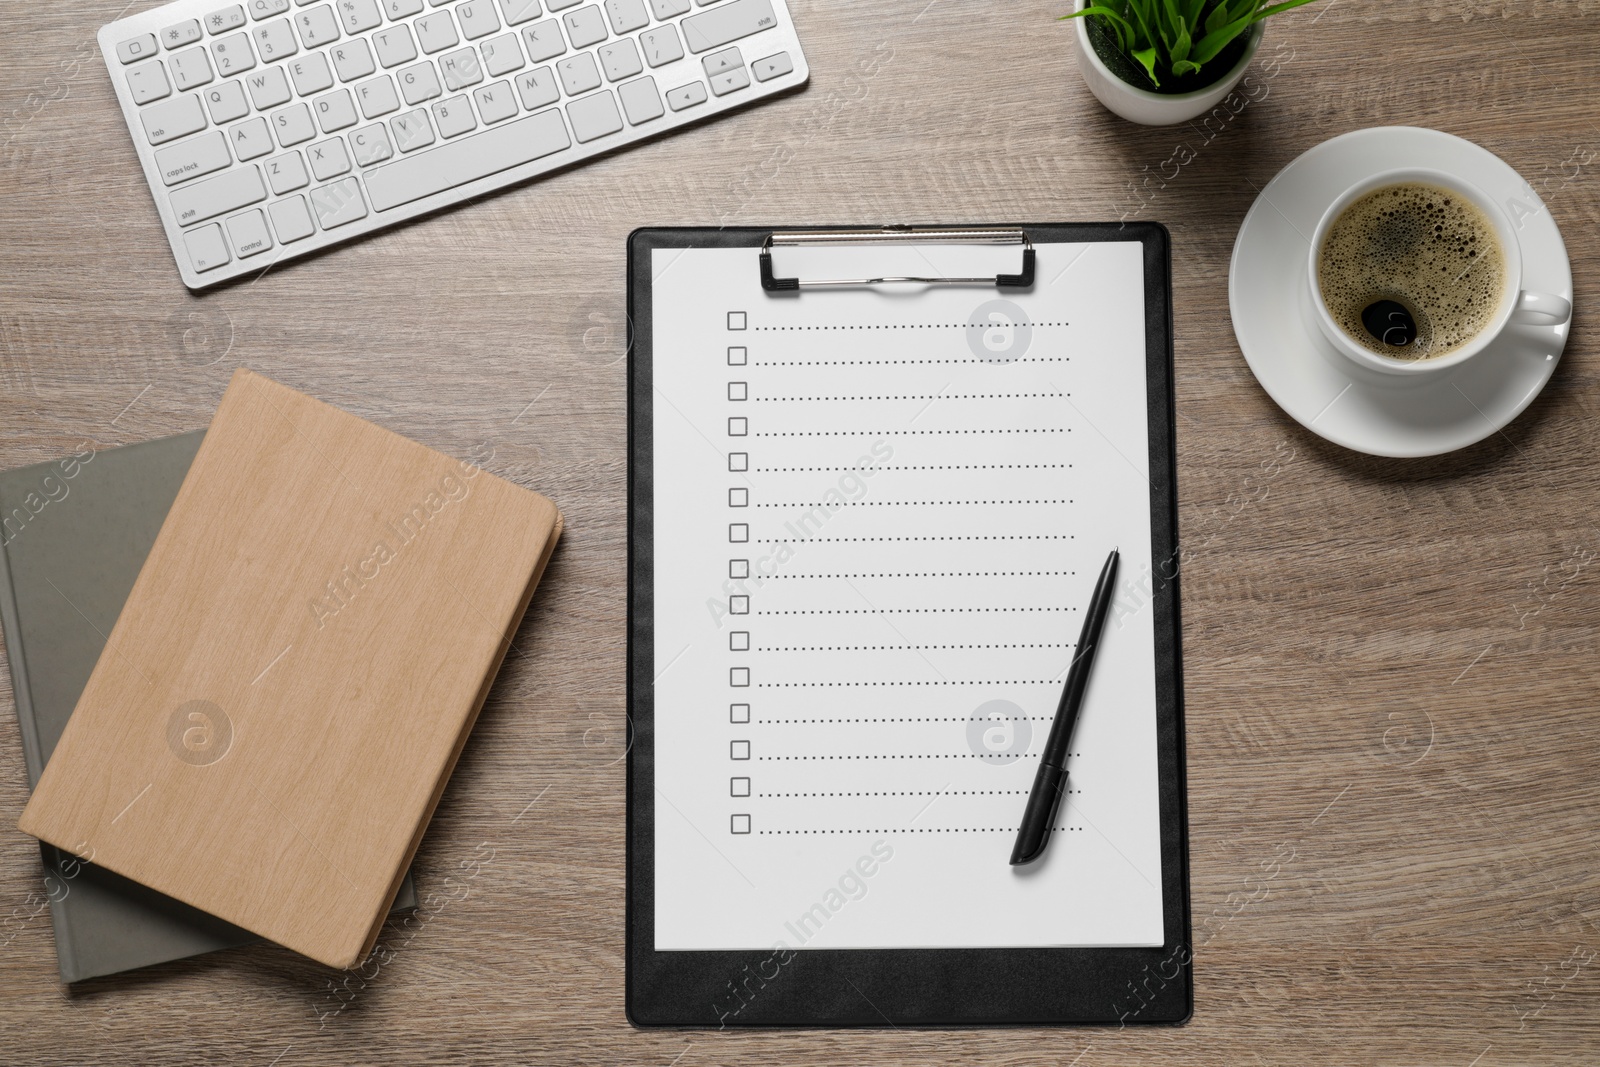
[1148, 108]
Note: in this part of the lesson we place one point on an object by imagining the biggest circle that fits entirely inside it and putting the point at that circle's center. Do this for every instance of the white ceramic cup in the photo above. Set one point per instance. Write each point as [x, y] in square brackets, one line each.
[1517, 305]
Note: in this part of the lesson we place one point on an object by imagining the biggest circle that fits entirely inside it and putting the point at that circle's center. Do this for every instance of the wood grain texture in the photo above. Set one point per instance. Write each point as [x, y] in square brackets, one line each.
[1390, 665]
[287, 688]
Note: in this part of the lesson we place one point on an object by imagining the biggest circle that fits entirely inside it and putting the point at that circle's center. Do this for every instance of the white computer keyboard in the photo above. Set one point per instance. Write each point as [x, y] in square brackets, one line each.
[273, 128]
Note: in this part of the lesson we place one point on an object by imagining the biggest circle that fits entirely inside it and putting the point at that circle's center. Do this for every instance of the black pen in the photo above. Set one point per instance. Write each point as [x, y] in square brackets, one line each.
[1051, 781]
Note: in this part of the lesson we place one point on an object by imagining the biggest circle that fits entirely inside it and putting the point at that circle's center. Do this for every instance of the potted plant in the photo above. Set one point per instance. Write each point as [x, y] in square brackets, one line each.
[1160, 62]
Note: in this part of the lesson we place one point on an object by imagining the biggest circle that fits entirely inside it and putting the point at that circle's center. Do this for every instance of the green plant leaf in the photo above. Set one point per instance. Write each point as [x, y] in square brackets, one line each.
[1143, 12]
[1124, 31]
[1184, 66]
[1268, 12]
[1218, 39]
[1218, 17]
[1180, 49]
[1147, 56]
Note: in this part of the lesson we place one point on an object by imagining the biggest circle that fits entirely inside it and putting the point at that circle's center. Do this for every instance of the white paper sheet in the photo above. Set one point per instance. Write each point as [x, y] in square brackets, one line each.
[919, 494]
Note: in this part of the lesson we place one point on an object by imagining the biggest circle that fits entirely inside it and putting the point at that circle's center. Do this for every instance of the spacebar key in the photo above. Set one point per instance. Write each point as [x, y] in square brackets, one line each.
[496, 149]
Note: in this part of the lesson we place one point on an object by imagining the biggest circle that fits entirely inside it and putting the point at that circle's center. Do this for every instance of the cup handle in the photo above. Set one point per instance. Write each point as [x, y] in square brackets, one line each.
[1541, 309]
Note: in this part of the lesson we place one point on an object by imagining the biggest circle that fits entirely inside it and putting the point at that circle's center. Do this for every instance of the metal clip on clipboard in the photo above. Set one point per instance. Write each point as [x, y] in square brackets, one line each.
[896, 235]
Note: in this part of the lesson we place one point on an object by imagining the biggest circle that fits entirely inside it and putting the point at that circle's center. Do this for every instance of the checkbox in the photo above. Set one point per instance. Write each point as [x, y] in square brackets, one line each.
[738, 390]
[739, 750]
[739, 677]
[738, 461]
[739, 427]
[738, 355]
[741, 824]
[738, 568]
[738, 605]
[738, 532]
[738, 498]
[736, 320]
[738, 787]
[738, 712]
[739, 641]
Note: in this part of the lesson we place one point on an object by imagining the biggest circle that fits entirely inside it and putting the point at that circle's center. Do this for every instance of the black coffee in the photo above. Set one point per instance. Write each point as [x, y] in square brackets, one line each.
[1411, 271]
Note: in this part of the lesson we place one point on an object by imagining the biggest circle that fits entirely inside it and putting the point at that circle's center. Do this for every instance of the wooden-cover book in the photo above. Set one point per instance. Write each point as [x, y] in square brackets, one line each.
[292, 678]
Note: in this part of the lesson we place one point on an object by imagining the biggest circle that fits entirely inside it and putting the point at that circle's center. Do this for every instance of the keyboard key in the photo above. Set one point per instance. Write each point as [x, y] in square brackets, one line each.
[394, 46]
[177, 117]
[292, 219]
[772, 67]
[454, 116]
[250, 140]
[233, 54]
[460, 68]
[310, 74]
[328, 159]
[477, 19]
[399, 9]
[419, 83]
[339, 204]
[436, 32]
[260, 9]
[661, 45]
[370, 144]
[352, 60]
[274, 40]
[317, 26]
[268, 88]
[727, 23]
[730, 81]
[626, 15]
[136, 48]
[544, 41]
[495, 102]
[594, 116]
[148, 82]
[359, 16]
[496, 149]
[560, 5]
[578, 74]
[501, 55]
[225, 19]
[519, 11]
[211, 197]
[248, 232]
[207, 249]
[334, 110]
[226, 102]
[584, 26]
[537, 88]
[377, 97]
[620, 59]
[286, 173]
[190, 69]
[725, 60]
[667, 9]
[640, 101]
[411, 131]
[293, 124]
[181, 33]
[686, 96]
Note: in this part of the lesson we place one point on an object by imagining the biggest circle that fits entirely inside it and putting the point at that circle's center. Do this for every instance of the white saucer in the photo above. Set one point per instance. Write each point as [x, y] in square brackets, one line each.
[1328, 394]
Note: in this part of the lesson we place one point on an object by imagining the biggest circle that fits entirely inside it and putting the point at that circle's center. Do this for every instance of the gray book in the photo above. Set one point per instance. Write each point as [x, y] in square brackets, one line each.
[73, 535]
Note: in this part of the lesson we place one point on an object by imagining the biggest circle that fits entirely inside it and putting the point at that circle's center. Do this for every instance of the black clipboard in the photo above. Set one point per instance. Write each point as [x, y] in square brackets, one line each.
[898, 988]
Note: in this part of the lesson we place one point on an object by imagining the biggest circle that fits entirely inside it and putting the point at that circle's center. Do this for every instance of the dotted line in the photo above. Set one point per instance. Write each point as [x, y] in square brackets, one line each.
[904, 503]
[899, 326]
[888, 648]
[974, 718]
[958, 755]
[901, 362]
[936, 574]
[903, 611]
[914, 396]
[907, 830]
[952, 537]
[903, 433]
[931, 793]
[937, 467]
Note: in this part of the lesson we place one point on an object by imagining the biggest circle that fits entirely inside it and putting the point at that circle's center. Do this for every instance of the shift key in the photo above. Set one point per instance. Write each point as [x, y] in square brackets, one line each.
[726, 23]
[213, 196]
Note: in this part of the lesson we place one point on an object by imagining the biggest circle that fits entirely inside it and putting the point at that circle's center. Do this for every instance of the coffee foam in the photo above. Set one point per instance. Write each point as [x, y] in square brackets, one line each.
[1427, 248]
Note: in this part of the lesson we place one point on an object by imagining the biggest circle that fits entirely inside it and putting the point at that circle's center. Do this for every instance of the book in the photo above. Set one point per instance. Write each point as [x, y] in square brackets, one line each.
[73, 535]
[295, 671]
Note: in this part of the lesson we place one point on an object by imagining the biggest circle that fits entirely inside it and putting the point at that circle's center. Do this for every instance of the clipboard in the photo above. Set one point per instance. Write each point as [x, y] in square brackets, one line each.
[879, 987]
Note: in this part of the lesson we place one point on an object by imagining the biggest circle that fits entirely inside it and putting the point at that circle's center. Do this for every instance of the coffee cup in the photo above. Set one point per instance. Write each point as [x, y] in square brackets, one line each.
[1513, 304]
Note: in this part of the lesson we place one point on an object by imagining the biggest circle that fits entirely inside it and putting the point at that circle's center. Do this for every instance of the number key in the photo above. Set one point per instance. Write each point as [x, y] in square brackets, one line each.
[233, 54]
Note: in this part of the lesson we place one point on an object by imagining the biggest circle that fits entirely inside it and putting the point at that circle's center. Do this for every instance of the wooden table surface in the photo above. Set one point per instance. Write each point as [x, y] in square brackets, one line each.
[1391, 667]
